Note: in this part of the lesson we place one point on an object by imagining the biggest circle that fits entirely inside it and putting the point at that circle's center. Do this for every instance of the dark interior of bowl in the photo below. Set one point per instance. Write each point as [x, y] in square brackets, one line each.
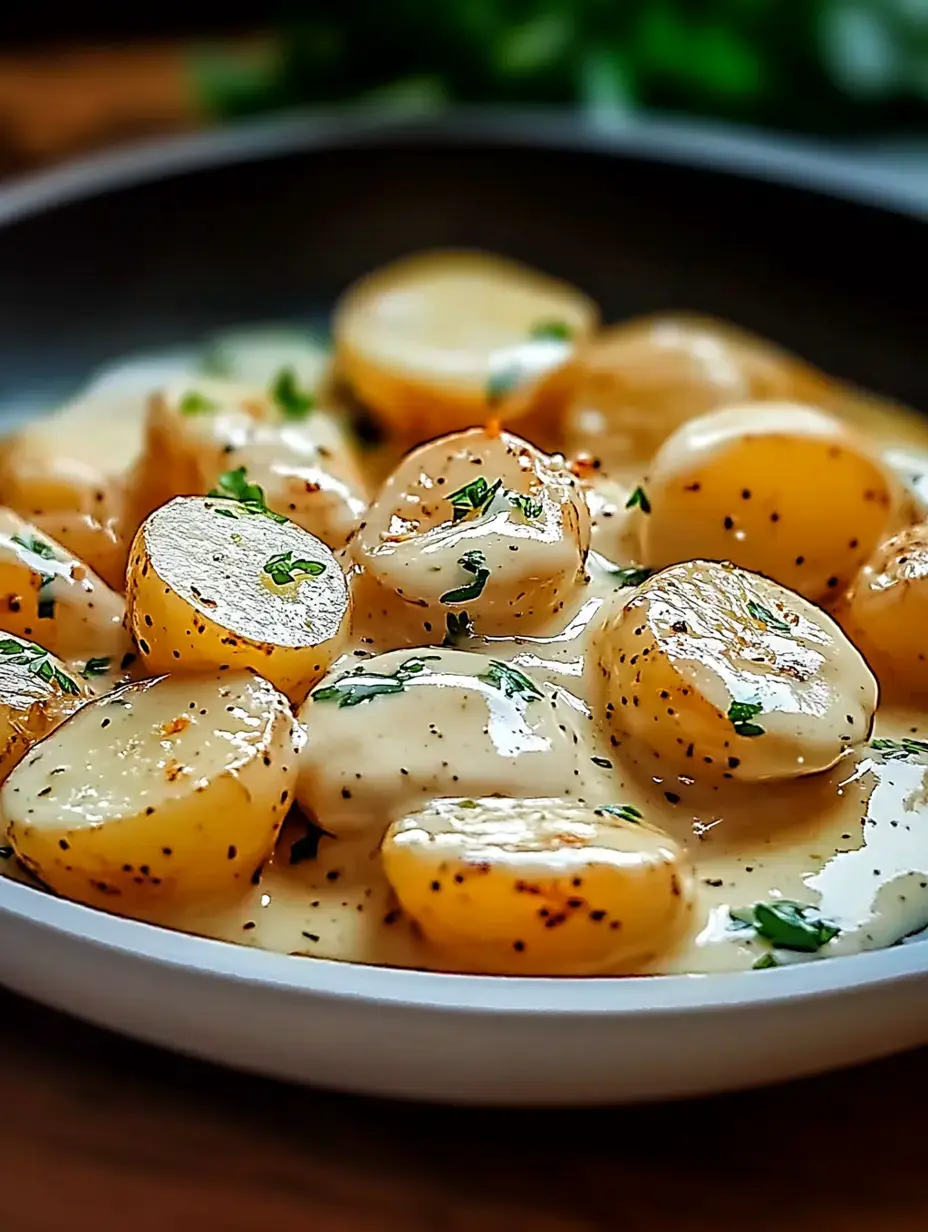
[168, 260]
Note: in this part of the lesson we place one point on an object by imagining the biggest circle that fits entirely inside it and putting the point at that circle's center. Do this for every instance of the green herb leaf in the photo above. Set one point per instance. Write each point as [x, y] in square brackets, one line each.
[630, 575]
[765, 961]
[359, 686]
[38, 662]
[470, 562]
[787, 925]
[295, 403]
[740, 715]
[640, 498]
[898, 750]
[473, 497]
[530, 509]
[502, 383]
[95, 667]
[627, 812]
[234, 485]
[282, 568]
[45, 550]
[195, 403]
[510, 681]
[307, 846]
[553, 331]
[766, 617]
[458, 628]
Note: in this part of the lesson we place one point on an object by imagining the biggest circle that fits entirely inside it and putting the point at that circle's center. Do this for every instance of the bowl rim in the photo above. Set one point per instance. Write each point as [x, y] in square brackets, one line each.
[818, 167]
[794, 162]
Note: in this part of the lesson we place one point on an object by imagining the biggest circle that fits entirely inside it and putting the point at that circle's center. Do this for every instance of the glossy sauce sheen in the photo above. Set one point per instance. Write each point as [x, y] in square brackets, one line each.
[852, 840]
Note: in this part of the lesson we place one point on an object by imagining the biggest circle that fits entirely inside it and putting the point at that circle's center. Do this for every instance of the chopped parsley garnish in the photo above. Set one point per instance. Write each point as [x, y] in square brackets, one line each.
[510, 681]
[740, 715]
[475, 563]
[295, 403]
[458, 628]
[474, 497]
[503, 383]
[95, 667]
[627, 812]
[766, 617]
[551, 331]
[787, 925]
[765, 961]
[630, 575]
[897, 750]
[640, 498]
[530, 509]
[46, 604]
[307, 846]
[45, 550]
[360, 685]
[37, 661]
[195, 403]
[283, 569]
[234, 485]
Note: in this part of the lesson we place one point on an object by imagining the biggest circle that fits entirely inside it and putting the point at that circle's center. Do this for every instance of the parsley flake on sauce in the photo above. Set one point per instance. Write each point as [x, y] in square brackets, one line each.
[359, 686]
[37, 661]
[740, 715]
[195, 403]
[96, 667]
[474, 497]
[786, 925]
[234, 485]
[475, 563]
[294, 402]
[898, 750]
[640, 498]
[626, 812]
[510, 681]
[551, 331]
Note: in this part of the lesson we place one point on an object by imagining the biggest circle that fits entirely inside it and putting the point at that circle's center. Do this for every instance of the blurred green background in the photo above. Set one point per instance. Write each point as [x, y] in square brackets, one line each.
[816, 66]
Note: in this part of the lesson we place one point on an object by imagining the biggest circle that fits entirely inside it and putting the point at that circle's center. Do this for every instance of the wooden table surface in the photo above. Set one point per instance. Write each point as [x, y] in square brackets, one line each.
[101, 1133]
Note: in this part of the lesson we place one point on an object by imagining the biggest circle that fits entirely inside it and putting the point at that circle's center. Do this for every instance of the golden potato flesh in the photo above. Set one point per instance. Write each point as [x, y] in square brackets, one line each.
[780, 489]
[51, 597]
[218, 583]
[720, 672]
[67, 474]
[298, 452]
[37, 692]
[172, 788]
[887, 613]
[539, 886]
[445, 340]
[643, 379]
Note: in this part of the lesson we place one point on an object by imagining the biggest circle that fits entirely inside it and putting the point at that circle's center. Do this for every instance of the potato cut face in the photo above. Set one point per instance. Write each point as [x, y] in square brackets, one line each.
[37, 693]
[538, 886]
[171, 787]
[442, 340]
[49, 596]
[214, 584]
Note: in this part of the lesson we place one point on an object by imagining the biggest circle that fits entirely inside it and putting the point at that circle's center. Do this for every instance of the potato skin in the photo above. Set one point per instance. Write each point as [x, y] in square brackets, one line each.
[167, 789]
[32, 705]
[198, 599]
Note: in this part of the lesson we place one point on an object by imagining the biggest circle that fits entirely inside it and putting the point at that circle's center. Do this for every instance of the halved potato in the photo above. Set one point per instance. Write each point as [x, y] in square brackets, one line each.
[643, 379]
[67, 474]
[223, 583]
[722, 673]
[482, 524]
[777, 488]
[538, 886]
[445, 340]
[298, 452]
[37, 692]
[49, 596]
[172, 788]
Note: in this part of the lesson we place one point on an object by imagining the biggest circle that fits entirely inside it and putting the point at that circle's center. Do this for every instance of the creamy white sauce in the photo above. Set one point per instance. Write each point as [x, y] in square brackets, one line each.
[853, 840]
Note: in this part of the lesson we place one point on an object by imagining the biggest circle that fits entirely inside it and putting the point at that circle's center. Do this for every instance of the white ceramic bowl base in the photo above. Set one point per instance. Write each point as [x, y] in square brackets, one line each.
[460, 1038]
